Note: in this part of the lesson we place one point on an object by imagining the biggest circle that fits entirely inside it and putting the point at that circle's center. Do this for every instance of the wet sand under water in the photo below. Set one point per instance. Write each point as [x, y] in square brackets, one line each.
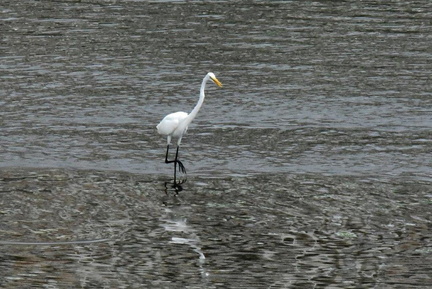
[100, 229]
[311, 168]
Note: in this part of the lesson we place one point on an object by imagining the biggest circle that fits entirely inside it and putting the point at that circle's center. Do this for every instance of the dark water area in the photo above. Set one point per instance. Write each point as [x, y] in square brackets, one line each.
[118, 230]
[310, 168]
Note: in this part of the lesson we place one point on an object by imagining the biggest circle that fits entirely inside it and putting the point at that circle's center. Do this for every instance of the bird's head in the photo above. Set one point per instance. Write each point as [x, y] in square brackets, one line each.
[214, 79]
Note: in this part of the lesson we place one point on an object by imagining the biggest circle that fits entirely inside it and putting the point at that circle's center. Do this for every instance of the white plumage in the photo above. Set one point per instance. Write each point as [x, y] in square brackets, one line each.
[176, 124]
[170, 124]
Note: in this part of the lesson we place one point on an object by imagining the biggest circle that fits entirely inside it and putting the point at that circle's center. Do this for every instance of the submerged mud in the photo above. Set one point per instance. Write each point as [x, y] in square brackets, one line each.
[257, 231]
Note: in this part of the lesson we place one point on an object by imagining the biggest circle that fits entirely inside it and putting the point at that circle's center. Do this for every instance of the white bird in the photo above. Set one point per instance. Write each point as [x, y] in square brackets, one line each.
[176, 124]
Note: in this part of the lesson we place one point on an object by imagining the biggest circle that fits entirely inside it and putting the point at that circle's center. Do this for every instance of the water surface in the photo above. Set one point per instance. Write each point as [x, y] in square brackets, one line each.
[118, 230]
[310, 168]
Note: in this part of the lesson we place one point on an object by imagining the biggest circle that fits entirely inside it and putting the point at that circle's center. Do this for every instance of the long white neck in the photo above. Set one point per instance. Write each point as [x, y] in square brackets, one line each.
[197, 107]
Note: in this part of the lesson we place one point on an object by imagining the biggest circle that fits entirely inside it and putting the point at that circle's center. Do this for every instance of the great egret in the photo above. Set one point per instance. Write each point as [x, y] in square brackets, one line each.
[176, 124]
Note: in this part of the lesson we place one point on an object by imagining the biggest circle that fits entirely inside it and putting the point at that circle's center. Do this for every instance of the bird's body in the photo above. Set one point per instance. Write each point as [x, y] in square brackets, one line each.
[176, 124]
[170, 125]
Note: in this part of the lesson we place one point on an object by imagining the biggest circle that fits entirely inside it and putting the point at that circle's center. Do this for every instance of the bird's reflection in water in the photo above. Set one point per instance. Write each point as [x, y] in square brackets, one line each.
[182, 233]
[175, 186]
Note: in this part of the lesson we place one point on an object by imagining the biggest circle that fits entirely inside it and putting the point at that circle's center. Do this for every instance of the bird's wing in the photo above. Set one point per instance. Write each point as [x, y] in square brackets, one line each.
[170, 122]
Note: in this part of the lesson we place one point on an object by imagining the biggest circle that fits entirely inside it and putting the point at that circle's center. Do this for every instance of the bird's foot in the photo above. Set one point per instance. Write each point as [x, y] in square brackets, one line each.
[181, 167]
[177, 186]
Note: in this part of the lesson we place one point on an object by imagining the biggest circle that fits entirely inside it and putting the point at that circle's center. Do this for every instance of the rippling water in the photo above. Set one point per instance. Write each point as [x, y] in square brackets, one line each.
[314, 86]
[311, 167]
[91, 229]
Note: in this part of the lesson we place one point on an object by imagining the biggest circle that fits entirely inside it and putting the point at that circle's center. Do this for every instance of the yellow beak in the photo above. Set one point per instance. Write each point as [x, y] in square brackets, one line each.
[215, 80]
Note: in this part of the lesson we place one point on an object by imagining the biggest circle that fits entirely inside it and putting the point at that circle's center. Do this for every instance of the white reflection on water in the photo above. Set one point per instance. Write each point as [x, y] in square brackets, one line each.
[188, 237]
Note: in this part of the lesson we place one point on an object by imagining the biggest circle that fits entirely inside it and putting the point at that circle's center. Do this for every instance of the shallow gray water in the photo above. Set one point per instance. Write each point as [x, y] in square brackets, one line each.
[311, 167]
[309, 86]
[270, 231]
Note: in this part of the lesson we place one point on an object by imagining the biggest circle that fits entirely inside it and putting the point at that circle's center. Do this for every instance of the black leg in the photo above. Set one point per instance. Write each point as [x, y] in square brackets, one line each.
[181, 166]
[175, 161]
[177, 187]
[166, 156]
[175, 169]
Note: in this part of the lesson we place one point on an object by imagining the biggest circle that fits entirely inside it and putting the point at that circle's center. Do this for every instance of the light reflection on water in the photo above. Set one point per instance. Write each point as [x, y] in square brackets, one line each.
[268, 230]
[309, 168]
